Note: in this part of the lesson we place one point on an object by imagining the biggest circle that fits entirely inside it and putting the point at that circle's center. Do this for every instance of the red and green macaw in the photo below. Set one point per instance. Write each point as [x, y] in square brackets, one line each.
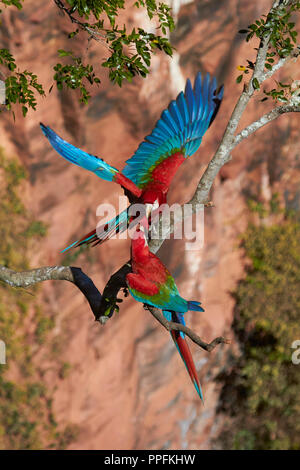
[147, 175]
[151, 283]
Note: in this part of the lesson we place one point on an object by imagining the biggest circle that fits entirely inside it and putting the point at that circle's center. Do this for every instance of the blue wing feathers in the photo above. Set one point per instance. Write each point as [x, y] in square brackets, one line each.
[180, 127]
[169, 121]
[78, 156]
[191, 100]
[183, 108]
[176, 114]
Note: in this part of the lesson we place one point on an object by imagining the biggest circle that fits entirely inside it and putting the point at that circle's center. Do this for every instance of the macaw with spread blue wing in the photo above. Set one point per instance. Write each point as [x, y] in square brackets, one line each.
[147, 175]
[151, 283]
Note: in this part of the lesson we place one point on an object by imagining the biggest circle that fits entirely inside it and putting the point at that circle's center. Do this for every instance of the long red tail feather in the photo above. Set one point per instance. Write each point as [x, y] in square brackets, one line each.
[187, 358]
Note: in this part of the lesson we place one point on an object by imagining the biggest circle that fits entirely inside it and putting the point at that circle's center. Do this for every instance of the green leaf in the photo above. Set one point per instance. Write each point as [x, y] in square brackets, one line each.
[63, 53]
[255, 84]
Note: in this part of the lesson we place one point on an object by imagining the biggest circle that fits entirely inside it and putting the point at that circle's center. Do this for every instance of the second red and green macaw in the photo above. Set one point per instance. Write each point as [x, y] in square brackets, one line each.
[151, 283]
[147, 175]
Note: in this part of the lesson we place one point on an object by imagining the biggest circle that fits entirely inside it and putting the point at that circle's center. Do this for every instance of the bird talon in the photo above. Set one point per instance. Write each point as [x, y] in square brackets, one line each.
[125, 292]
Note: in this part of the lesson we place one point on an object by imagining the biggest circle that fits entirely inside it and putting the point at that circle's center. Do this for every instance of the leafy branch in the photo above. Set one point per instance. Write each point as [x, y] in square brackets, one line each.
[277, 29]
[129, 52]
[15, 3]
[20, 86]
[74, 75]
[123, 64]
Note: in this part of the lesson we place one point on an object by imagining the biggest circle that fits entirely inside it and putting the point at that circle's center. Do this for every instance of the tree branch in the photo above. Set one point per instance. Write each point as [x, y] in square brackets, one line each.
[101, 306]
[55, 273]
[169, 326]
[281, 62]
[96, 35]
[265, 119]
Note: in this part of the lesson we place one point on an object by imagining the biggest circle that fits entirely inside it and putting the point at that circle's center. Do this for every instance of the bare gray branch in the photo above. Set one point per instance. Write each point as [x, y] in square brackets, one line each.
[169, 326]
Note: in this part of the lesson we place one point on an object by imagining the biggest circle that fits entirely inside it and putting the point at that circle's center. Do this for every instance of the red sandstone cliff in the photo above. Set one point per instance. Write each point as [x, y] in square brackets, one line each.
[127, 388]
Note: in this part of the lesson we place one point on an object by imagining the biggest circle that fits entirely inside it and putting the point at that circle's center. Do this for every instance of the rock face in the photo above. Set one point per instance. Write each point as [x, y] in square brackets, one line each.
[127, 388]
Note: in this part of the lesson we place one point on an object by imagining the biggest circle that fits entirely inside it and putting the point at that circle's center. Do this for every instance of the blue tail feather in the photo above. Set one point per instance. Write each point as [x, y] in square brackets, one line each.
[116, 225]
[70, 246]
[195, 306]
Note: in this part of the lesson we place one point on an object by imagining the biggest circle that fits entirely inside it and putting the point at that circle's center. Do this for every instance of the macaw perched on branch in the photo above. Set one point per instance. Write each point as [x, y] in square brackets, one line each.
[151, 283]
[147, 175]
